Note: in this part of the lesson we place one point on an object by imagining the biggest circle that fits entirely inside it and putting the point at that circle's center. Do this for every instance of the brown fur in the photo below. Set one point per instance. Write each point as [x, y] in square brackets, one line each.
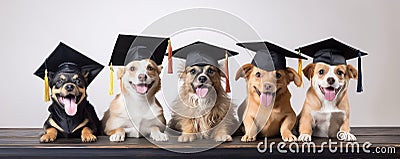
[313, 103]
[216, 124]
[255, 117]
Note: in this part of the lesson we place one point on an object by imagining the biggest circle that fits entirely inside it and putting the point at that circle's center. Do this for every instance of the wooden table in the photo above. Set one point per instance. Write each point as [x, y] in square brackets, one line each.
[24, 142]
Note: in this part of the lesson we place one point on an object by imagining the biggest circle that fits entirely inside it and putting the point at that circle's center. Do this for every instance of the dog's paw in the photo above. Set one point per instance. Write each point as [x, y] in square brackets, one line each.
[223, 138]
[117, 137]
[88, 137]
[304, 138]
[289, 138]
[159, 136]
[186, 138]
[48, 138]
[345, 136]
[247, 138]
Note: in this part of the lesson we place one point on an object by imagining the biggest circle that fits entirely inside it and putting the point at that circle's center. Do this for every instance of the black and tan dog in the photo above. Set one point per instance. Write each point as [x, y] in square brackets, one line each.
[68, 73]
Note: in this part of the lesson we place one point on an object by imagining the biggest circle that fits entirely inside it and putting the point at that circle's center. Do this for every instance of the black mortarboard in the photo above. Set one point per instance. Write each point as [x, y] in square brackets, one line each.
[201, 53]
[66, 59]
[130, 48]
[269, 56]
[334, 52]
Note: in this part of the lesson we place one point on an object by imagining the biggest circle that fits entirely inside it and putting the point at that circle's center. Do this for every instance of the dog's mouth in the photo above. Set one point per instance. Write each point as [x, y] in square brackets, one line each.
[266, 98]
[201, 90]
[330, 92]
[70, 103]
[141, 88]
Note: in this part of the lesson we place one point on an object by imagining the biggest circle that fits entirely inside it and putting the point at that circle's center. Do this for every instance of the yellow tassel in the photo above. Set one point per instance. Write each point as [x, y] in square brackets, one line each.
[300, 70]
[111, 88]
[46, 87]
[170, 71]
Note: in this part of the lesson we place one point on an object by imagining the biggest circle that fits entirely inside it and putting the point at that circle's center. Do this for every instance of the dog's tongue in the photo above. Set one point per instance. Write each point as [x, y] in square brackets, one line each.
[266, 99]
[70, 106]
[141, 89]
[330, 94]
[201, 92]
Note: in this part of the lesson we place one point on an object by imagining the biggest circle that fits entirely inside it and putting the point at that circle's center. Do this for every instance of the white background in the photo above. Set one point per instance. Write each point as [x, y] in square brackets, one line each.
[30, 30]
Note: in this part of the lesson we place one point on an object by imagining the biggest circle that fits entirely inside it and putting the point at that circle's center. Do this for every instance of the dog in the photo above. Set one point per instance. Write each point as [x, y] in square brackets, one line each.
[203, 108]
[71, 114]
[262, 88]
[135, 112]
[326, 109]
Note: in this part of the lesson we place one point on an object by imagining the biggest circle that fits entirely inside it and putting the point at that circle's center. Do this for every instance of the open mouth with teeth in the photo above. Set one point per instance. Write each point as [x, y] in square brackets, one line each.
[266, 98]
[141, 88]
[201, 90]
[330, 92]
[70, 103]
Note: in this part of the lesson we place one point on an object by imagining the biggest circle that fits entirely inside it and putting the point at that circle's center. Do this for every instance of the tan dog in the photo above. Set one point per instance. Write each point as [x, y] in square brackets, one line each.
[326, 109]
[136, 111]
[262, 87]
[203, 109]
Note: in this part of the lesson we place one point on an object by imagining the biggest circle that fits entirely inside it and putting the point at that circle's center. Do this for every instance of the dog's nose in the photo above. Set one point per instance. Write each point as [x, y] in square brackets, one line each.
[202, 79]
[142, 77]
[69, 87]
[330, 80]
[269, 87]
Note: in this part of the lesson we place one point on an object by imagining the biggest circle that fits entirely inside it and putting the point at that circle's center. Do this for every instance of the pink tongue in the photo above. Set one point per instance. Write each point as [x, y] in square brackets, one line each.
[70, 106]
[330, 94]
[141, 89]
[266, 99]
[201, 92]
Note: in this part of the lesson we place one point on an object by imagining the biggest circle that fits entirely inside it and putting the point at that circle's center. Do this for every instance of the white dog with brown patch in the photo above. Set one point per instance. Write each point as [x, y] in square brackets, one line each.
[136, 112]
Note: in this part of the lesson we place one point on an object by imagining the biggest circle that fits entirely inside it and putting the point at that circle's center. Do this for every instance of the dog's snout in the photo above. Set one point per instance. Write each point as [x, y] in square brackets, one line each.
[142, 77]
[69, 87]
[202, 79]
[330, 80]
[269, 87]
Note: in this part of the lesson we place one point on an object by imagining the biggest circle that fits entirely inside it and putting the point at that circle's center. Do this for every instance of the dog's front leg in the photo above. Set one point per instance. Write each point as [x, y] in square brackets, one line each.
[50, 135]
[117, 135]
[187, 131]
[87, 135]
[157, 135]
[250, 128]
[286, 127]
[344, 132]
[305, 126]
[221, 134]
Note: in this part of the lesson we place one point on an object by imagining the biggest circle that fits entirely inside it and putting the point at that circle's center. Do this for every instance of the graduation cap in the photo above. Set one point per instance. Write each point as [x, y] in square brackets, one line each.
[201, 53]
[271, 57]
[334, 52]
[66, 59]
[130, 48]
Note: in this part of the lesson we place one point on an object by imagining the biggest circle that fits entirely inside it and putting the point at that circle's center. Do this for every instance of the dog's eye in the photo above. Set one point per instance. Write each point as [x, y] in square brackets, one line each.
[77, 81]
[192, 71]
[150, 68]
[210, 71]
[258, 74]
[132, 68]
[278, 75]
[340, 72]
[321, 72]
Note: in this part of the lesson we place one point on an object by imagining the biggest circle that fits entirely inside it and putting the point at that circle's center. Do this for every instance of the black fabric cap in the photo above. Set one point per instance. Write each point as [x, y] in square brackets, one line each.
[66, 59]
[130, 48]
[330, 51]
[201, 53]
[269, 56]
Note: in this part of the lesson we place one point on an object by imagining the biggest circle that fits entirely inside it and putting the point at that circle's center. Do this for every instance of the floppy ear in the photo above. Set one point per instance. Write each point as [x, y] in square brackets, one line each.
[293, 76]
[120, 72]
[308, 71]
[352, 72]
[244, 71]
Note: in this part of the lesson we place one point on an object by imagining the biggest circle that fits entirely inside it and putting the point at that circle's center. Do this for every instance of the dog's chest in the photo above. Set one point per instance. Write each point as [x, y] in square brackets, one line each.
[326, 121]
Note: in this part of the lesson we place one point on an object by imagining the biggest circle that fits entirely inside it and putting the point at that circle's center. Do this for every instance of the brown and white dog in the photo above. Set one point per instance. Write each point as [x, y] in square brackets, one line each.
[136, 112]
[326, 109]
[262, 87]
[203, 109]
